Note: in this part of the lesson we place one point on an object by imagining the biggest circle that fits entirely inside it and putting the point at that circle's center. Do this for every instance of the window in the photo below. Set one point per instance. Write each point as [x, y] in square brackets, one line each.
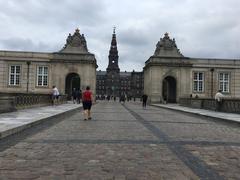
[224, 82]
[198, 81]
[14, 75]
[42, 76]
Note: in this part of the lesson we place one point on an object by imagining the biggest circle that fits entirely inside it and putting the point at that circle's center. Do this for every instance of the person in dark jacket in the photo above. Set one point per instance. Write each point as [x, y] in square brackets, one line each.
[74, 96]
[122, 98]
[144, 100]
[79, 96]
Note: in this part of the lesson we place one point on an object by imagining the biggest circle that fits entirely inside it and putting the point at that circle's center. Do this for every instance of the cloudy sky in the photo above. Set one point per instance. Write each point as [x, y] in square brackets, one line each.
[202, 28]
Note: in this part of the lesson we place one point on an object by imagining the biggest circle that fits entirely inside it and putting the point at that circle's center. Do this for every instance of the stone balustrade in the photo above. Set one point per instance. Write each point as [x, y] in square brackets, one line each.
[228, 104]
[11, 102]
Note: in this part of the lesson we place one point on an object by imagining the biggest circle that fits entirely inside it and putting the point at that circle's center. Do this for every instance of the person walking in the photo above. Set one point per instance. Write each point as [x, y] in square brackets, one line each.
[74, 95]
[144, 100]
[87, 103]
[122, 98]
[79, 96]
[55, 95]
[218, 100]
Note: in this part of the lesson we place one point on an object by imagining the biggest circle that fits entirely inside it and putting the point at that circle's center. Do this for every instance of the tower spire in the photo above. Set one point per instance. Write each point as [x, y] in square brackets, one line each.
[113, 71]
[113, 53]
[114, 29]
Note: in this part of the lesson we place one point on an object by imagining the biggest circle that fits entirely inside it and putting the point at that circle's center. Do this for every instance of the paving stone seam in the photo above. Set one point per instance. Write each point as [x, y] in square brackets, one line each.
[198, 166]
[109, 120]
[117, 112]
[207, 143]
[179, 122]
[149, 142]
[94, 141]
[125, 120]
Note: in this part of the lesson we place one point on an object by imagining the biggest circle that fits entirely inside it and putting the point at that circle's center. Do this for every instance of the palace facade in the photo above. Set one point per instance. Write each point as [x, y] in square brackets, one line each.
[113, 82]
[168, 75]
[34, 72]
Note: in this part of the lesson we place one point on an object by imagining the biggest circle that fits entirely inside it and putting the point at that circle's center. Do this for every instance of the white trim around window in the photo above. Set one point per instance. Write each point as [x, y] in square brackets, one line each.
[198, 82]
[14, 75]
[224, 81]
[42, 76]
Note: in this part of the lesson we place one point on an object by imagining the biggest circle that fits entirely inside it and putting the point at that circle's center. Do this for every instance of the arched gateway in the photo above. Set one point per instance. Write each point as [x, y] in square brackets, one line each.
[72, 81]
[169, 89]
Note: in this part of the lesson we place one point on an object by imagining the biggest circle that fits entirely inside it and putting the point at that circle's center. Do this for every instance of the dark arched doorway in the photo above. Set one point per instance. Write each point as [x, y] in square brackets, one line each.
[72, 81]
[169, 89]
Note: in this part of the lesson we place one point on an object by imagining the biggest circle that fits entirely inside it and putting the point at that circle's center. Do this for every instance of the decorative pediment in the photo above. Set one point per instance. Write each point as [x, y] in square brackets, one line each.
[167, 47]
[75, 43]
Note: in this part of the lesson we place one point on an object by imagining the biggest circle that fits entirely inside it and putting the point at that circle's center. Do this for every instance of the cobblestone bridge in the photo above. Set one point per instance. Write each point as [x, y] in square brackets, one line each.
[124, 142]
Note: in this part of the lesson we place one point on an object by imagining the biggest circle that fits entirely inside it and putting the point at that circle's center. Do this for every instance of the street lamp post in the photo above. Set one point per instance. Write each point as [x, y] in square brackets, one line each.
[212, 70]
[28, 68]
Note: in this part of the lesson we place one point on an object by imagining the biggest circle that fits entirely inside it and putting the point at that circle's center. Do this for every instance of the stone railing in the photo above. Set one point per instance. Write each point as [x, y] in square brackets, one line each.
[10, 102]
[228, 104]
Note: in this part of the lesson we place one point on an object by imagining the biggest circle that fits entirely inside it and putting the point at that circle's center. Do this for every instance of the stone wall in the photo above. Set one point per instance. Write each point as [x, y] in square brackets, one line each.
[231, 105]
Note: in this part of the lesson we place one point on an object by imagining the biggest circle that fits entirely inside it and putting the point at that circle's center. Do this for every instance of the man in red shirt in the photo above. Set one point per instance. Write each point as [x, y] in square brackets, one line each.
[87, 103]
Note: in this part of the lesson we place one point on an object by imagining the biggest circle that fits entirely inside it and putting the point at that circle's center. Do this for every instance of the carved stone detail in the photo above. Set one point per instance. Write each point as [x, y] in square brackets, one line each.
[75, 43]
[167, 47]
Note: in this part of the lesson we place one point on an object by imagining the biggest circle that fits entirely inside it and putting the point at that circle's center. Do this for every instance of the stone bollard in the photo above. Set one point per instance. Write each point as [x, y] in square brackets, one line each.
[7, 104]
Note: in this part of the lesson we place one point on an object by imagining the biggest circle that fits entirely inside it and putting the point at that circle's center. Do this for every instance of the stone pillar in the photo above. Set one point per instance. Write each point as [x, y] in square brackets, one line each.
[7, 104]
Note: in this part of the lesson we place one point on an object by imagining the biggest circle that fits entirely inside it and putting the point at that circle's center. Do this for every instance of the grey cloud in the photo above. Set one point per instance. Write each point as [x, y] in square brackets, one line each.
[55, 12]
[201, 28]
[19, 44]
[133, 37]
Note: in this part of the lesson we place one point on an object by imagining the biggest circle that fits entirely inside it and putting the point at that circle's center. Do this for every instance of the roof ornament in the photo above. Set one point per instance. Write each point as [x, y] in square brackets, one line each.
[167, 47]
[77, 31]
[114, 29]
[166, 35]
[75, 43]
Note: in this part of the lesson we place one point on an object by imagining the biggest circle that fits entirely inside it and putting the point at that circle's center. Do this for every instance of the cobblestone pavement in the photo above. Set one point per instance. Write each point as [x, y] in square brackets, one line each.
[124, 142]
